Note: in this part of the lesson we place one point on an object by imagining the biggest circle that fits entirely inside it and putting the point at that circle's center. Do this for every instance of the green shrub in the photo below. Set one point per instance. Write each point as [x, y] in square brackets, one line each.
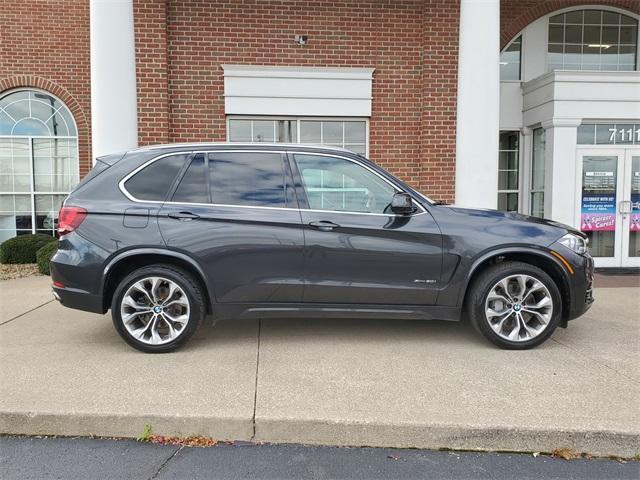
[43, 256]
[23, 248]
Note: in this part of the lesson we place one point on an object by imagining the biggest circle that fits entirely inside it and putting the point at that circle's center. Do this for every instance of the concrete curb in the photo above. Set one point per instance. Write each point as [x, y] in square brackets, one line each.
[121, 425]
[457, 437]
[321, 432]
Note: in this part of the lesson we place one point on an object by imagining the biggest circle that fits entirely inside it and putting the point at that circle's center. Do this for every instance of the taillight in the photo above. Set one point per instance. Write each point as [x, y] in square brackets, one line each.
[70, 218]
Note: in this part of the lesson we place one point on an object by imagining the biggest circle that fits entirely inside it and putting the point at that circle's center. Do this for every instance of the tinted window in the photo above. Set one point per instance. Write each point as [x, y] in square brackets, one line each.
[252, 179]
[193, 186]
[341, 185]
[153, 182]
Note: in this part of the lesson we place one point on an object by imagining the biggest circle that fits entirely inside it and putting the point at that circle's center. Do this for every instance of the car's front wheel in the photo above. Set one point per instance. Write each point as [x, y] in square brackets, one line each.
[515, 305]
[156, 309]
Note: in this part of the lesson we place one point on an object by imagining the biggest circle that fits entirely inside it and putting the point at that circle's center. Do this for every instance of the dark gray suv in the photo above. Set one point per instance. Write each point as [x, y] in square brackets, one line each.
[167, 236]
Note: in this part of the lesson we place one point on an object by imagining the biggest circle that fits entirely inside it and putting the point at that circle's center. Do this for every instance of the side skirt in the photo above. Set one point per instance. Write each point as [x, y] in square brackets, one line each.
[323, 310]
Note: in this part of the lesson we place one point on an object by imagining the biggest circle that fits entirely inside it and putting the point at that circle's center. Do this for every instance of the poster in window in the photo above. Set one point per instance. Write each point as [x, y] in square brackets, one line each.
[598, 201]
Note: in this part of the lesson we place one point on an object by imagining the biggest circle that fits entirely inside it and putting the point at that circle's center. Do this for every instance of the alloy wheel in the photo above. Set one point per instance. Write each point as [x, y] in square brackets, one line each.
[155, 310]
[519, 308]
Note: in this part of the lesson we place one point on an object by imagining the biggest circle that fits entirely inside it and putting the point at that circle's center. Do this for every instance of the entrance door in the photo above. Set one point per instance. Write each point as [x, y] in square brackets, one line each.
[609, 205]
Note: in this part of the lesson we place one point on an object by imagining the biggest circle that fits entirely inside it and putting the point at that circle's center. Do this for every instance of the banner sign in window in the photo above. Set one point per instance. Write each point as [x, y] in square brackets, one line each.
[598, 201]
[634, 221]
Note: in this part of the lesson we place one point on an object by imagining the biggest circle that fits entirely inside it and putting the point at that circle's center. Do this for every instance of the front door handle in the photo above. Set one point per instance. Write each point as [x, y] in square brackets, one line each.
[324, 225]
[183, 216]
[624, 207]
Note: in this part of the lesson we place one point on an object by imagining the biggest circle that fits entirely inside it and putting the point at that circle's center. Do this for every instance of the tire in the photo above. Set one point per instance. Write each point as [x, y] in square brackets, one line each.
[185, 307]
[503, 319]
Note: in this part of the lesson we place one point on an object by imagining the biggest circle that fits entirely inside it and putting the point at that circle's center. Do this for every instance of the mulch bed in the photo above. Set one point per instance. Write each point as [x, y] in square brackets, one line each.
[9, 272]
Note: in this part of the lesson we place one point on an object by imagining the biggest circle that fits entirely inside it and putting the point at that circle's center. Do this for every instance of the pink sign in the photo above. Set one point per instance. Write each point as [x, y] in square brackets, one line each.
[598, 222]
[634, 222]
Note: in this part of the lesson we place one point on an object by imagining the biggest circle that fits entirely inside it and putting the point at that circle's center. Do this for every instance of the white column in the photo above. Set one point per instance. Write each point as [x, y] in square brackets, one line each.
[561, 138]
[114, 117]
[526, 150]
[478, 104]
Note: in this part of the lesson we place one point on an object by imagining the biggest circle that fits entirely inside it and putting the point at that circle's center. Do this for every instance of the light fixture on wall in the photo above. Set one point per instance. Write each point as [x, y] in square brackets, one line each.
[301, 39]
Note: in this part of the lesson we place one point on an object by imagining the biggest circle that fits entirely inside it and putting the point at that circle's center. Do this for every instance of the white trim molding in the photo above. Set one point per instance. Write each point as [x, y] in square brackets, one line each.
[299, 91]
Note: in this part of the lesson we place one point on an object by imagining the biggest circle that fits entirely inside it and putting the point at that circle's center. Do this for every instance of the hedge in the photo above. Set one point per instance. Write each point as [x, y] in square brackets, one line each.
[23, 248]
[44, 255]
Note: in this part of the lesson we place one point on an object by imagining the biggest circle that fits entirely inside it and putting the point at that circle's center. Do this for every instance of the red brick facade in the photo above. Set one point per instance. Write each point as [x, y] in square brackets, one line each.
[181, 44]
[45, 44]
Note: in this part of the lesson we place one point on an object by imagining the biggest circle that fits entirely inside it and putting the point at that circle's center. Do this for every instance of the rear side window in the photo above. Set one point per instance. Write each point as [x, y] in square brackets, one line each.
[153, 182]
[193, 187]
[247, 179]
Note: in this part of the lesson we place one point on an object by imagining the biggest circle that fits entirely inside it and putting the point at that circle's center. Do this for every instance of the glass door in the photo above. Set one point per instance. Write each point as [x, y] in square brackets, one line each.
[609, 205]
[630, 210]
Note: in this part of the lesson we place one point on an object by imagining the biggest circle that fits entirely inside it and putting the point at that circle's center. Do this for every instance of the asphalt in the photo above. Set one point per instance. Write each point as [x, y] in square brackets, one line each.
[32, 458]
[404, 384]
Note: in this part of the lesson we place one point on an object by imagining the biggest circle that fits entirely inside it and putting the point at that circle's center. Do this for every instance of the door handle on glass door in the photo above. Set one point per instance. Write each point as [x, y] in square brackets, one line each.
[324, 225]
[622, 207]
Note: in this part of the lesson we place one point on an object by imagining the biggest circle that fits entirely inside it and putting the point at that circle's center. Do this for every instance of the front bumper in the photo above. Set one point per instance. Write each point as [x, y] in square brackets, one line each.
[580, 284]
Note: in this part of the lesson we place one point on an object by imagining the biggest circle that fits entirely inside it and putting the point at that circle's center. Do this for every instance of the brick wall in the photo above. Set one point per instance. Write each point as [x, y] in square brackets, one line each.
[45, 44]
[412, 44]
[517, 14]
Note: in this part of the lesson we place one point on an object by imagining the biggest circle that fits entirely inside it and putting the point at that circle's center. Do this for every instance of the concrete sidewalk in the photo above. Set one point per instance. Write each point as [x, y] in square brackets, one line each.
[339, 382]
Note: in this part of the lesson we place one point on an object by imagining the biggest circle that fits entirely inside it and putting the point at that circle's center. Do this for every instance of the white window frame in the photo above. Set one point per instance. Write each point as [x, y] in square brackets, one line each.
[302, 119]
[516, 190]
[32, 192]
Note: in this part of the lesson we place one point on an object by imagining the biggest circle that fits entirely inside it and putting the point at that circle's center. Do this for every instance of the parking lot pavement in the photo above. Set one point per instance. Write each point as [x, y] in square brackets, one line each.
[36, 458]
[350, 382]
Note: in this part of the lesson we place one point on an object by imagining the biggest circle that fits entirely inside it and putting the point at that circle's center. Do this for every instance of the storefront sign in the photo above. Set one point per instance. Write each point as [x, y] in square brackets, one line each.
[598, 209]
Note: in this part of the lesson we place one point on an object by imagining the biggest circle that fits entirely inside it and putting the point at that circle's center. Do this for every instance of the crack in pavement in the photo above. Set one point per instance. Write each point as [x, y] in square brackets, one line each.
[579, 352]
[28, 311]
[255, 391]
[166, 462]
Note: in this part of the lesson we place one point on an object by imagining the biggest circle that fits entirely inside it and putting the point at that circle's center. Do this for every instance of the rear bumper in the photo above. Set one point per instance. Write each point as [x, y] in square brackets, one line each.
[79, 299]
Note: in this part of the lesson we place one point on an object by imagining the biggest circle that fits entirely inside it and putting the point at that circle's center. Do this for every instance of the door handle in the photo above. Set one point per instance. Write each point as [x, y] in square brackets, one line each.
[183, 216]
[622, 207]
[324, 225]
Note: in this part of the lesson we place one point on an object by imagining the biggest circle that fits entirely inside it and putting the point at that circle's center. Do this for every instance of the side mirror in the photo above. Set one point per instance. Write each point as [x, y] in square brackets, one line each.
[402, 204]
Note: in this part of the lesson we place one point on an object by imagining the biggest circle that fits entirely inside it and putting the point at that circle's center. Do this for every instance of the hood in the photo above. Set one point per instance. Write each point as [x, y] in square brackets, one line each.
[519, 217]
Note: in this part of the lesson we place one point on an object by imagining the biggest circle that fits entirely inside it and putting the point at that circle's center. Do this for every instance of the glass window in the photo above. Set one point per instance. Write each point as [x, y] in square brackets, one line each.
[510, 60]
[508, 171]
[609, 133]
[592, 40]
[193, 187]
[536, 190]
[349, 134]
[153, 182]
[249, 179]
[337, 184]
[39, 161]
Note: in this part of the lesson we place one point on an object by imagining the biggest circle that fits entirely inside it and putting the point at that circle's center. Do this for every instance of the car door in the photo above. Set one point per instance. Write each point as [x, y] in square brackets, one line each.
[236, 214]
[356, 251]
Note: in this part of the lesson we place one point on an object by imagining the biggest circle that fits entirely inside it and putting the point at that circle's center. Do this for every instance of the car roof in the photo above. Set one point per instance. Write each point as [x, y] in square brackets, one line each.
[248, 145]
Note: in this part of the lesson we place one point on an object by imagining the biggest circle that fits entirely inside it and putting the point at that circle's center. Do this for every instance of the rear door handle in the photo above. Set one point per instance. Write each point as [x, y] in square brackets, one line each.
[183, 216]
[324, 225]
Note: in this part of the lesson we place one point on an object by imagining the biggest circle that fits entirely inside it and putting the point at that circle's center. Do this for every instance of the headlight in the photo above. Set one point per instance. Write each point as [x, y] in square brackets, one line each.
[575, 243]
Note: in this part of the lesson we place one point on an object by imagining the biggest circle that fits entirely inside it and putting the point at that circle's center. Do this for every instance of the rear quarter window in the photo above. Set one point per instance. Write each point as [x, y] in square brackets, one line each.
[153, 182]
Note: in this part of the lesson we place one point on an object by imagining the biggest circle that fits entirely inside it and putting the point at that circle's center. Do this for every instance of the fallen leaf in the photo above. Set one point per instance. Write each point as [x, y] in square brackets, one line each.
[565, 453]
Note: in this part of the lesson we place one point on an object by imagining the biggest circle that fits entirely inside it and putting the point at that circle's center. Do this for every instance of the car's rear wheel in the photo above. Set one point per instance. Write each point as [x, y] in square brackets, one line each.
[515, 305]
[156, 309]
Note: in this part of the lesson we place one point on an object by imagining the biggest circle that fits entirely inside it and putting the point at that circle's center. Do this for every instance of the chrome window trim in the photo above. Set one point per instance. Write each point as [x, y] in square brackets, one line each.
[127, 194]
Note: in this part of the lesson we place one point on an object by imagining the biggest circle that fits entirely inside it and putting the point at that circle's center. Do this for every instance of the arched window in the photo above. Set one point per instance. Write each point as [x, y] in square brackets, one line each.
[592, 40]
[38, 161]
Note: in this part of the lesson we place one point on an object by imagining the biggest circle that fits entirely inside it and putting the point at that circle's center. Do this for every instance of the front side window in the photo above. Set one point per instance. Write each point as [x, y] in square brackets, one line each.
[336, 184]
[592, 40]
[508, 171]
[536, 190]
[510, 60]
[349, 134]
[39, 163]
[153, 182]
[247, 179]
